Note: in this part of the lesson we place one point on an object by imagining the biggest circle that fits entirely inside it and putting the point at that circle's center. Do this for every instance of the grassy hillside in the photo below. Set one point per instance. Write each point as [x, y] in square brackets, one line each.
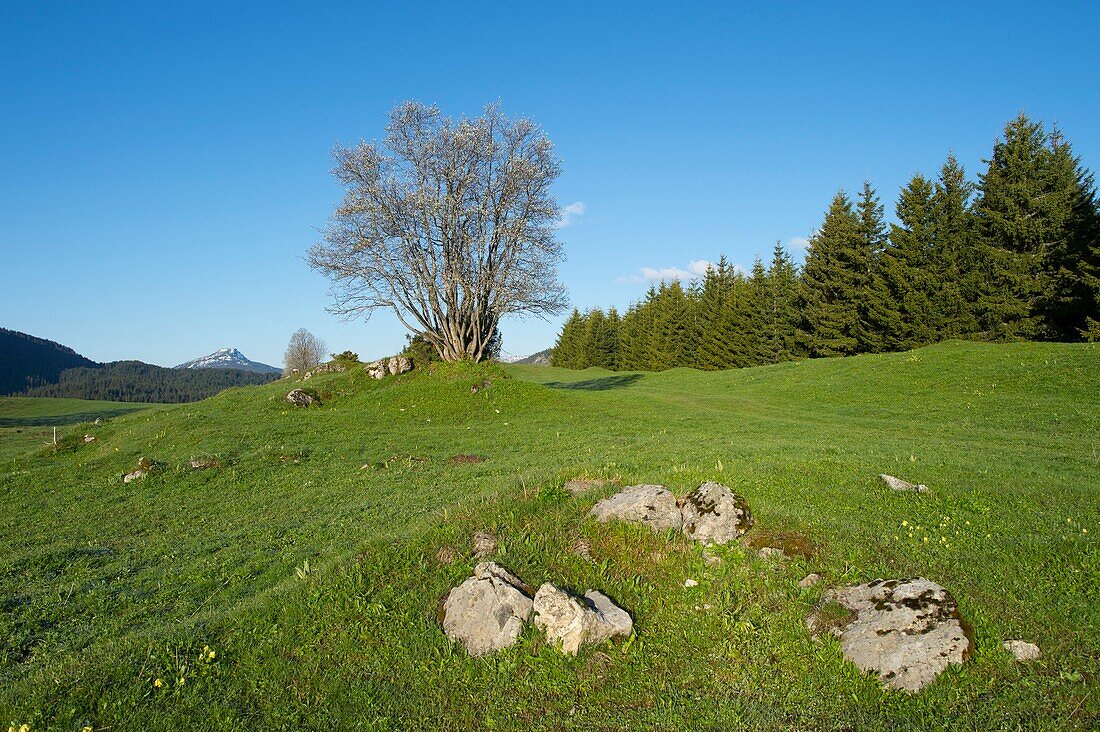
[295, 586]
[27, 423]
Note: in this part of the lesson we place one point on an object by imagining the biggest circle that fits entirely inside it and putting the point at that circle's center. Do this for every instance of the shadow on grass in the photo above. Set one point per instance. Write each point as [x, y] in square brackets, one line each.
[602, 384]
[59, 420]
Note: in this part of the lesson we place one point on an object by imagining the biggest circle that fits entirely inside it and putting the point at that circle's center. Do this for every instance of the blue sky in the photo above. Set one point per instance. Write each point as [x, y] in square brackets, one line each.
[163, 168]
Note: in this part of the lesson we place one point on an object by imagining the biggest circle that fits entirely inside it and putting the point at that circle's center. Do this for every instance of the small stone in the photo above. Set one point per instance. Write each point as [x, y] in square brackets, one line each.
[484, 544]
[376, 369]
[202, 463]
[446, 555]
[652, 505]
[713, 514]
[583, 549]
[690, 583]
[98, 421]
[809, 580]
[88, 438]
[711, 559]
[1022, 650]
[771, 552]
[301, 398]
[897, 484]
[582, 485]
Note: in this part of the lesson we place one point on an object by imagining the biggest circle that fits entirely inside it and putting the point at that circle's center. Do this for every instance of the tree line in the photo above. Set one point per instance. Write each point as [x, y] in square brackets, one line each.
[135, 381]
[1014, 256]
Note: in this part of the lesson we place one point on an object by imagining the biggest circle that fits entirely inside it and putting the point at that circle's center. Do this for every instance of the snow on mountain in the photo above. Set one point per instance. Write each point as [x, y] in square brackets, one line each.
[229, 358]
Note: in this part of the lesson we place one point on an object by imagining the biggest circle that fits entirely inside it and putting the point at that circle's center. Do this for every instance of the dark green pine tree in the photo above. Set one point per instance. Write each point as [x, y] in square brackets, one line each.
[672, 344]
[780, 316]
[1018, 219]
[832, 283]
[568, 349]
[1068, 299]
[716, 347]
[874, 302]
[754, 308]
[911, 272]
[956, 256]
[596, 347]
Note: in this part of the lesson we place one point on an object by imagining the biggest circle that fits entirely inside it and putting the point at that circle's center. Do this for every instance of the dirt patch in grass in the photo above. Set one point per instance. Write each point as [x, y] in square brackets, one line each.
[792, 543]
[455, 460]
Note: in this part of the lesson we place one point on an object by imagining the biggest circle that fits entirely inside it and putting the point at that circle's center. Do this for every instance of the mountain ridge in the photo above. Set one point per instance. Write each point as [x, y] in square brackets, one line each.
[229, 358]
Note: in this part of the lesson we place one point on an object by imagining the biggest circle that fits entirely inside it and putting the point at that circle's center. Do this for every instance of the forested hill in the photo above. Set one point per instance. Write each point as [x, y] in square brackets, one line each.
[27, 361]
[134, 381]
[38, 367]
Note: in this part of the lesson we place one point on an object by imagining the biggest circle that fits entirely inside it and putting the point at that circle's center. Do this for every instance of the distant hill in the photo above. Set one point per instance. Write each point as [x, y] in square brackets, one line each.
[230, 358]
[27, 361]
[134, 381]
[542, 358]
[38, 367]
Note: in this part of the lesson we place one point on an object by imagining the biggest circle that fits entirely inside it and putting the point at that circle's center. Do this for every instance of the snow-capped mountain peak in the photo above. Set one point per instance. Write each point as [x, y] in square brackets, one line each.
[229, 358]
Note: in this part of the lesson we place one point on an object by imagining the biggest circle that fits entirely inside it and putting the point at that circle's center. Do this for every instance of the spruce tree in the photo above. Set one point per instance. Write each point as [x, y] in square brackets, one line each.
[910, 270]
[874, 302]
[1017, 220]
[832, 283]
[568, 348]
[1067, 300]
[780, 315]
[956, 255]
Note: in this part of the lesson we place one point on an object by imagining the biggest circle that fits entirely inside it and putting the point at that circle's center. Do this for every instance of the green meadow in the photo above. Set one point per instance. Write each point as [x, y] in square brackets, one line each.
[295, 584]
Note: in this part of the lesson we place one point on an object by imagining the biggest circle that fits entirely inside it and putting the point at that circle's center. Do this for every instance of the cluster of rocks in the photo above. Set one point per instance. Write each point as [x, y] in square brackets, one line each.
[326, 368]
[145, 467]
[392, 366]
[711, 514]
[491, 608]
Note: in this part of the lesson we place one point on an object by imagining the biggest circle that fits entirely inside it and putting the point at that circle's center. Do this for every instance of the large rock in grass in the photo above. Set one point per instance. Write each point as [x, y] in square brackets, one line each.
[713, 514]
[302, 398]
[488, 611]
[570, 621]
[398, 365]
[652, 505]
[907, 631]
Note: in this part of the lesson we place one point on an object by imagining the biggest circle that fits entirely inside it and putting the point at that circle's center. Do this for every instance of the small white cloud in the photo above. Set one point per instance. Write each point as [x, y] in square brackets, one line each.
[797, 243]
[570, 214]
[696, 269]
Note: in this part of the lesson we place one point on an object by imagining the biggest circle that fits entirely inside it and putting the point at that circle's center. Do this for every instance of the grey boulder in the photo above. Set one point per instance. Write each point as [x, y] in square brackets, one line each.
[652, 505]
[488, 611]
[907, 631]
[398, 365]
[713, 514]
[570, 621]
[300, 398]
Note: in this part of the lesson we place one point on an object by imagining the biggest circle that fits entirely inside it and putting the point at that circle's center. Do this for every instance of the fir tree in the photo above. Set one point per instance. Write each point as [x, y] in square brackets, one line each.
[874, 303]
[1017, 219]
[779, 319]
[832, 282]
[956, 257]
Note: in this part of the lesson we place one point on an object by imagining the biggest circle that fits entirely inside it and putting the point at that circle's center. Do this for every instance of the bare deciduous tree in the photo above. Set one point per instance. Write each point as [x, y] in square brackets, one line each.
[450, 225]
[304, 351]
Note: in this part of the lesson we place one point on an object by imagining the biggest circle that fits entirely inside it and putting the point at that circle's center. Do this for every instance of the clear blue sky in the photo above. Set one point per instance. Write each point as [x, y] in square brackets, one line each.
[164, 167]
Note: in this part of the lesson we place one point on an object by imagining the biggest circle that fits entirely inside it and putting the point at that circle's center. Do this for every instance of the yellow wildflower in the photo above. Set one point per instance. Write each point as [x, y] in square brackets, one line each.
[158, 683]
